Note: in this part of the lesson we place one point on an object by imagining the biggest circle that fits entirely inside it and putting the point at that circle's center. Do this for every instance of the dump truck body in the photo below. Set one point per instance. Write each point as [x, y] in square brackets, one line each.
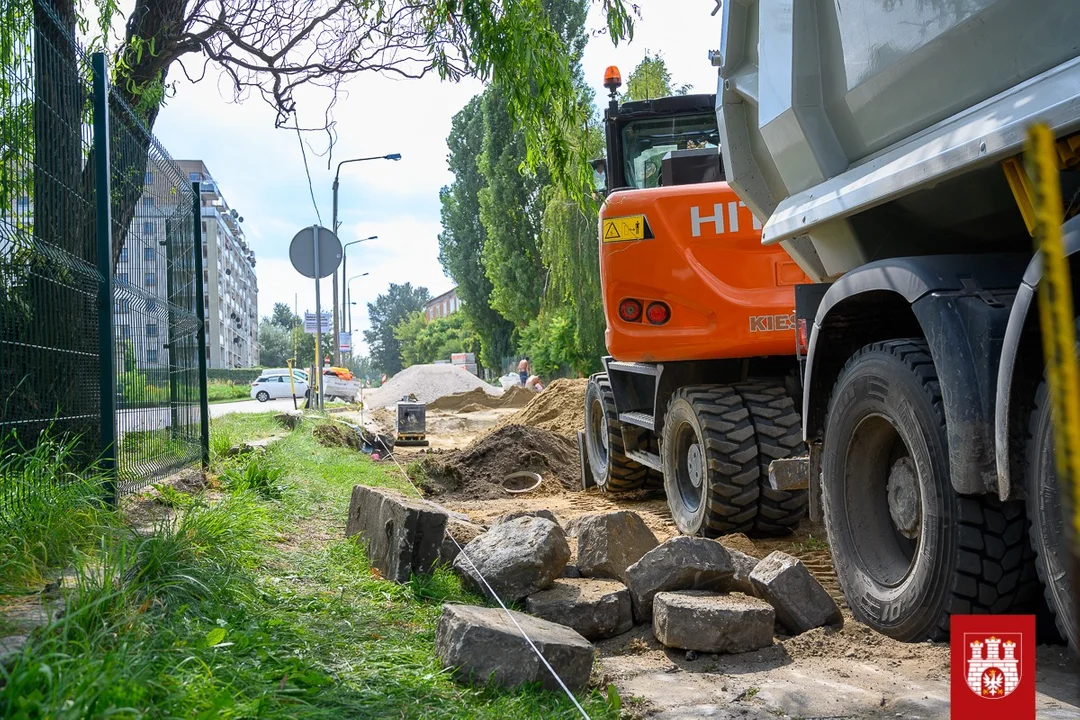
[836, 116]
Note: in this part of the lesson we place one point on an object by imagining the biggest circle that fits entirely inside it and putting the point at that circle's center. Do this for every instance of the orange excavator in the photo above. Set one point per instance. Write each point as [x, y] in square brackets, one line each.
[702, 382]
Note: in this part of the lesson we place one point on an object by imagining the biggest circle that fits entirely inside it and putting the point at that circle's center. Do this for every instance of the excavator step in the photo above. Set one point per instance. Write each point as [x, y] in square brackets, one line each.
[648, 459]
[641, 419]
[633, 367]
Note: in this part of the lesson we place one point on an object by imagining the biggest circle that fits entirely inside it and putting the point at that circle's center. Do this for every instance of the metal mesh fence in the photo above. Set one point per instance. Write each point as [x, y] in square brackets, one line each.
[55, 268]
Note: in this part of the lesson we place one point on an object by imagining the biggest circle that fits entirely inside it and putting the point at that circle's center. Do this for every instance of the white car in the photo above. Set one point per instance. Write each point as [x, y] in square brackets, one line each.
[277, 386]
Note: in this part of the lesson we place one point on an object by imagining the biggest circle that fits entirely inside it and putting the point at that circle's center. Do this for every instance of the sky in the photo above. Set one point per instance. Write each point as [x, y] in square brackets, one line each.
[260, 170]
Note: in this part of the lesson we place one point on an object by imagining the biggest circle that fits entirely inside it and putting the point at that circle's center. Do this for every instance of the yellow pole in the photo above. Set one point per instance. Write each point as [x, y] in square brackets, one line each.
[1058, 319]
[292, 382]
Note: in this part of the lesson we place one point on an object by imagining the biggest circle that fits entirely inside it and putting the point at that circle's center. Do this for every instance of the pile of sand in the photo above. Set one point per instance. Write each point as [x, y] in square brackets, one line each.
[481, 399]
[559, 408]
[476, 472]
[427, 383]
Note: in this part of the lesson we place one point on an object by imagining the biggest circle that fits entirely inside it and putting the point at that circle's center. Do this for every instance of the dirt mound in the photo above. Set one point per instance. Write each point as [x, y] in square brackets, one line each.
[481, 398]
[476, 472]
[559, 408]
[427, 383]
[860, 642]
[334, 435]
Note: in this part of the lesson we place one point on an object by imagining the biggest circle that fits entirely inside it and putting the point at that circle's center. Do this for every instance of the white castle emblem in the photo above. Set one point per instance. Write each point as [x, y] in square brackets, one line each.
[997, 673]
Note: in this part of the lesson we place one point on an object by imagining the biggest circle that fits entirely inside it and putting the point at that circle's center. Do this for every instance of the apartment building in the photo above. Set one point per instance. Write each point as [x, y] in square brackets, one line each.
[231, 292]
[442, 306]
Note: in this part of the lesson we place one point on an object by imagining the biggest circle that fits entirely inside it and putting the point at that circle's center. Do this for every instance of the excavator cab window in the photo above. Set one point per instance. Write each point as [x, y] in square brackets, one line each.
[645, 142]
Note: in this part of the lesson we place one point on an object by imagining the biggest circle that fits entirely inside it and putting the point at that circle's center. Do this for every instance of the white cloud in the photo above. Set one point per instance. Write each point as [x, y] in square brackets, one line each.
[261, 172]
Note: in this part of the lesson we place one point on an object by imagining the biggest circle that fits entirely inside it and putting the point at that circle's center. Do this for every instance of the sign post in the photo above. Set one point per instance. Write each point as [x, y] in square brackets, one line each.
[315, 252]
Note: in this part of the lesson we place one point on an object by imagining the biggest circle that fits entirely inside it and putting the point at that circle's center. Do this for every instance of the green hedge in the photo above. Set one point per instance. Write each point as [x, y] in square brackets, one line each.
[236, 375]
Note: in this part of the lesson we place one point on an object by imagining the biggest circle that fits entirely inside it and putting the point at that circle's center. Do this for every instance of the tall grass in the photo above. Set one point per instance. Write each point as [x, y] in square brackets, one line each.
[241, 607]
[48, 511]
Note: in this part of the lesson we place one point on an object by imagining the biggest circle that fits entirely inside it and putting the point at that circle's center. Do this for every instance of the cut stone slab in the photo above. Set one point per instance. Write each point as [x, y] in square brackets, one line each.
[595, 608]
[464, 531]
[518, 558]
[483, 647]
[609, 543]
[546, 514]
[800, 601]
[706, 622]
[681, 563]
[744, 565]
[403, 536]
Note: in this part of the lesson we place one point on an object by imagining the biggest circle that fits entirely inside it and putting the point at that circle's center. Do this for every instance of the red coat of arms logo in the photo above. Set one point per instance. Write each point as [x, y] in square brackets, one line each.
[993, 667]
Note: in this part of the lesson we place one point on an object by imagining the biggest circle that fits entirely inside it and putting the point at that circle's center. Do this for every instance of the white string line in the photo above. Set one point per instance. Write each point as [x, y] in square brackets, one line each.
[495, 595]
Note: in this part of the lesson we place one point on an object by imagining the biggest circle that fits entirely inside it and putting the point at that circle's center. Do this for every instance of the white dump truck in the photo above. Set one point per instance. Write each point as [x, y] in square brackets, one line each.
[879, 144]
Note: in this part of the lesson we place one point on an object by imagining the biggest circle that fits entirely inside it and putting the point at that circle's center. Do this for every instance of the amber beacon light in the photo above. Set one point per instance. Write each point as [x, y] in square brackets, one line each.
[612, 78]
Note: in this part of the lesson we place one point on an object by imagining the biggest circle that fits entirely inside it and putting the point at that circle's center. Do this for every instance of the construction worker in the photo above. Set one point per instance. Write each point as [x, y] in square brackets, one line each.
[523, 370]
[533, 383]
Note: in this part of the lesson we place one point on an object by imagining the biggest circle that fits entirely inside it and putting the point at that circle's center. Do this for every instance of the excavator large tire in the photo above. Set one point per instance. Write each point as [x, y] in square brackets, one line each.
[611, 469]
[779, 435]
[710, 459]
[910, 551]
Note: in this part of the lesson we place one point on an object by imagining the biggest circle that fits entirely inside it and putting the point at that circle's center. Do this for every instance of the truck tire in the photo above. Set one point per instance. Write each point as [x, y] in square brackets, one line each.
[611, 469]
[779, 435]
[908, 550]
[1047, 509]
[710, 459]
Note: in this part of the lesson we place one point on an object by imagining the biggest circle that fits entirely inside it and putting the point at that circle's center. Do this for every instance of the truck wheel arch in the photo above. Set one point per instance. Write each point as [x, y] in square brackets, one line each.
[947, 299]
[1021, 349]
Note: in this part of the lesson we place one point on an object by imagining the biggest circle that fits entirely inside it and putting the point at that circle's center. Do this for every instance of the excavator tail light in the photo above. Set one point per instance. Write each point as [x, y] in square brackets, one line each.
[802, 336]
[658, 313]
[612, 78]
[630, 310]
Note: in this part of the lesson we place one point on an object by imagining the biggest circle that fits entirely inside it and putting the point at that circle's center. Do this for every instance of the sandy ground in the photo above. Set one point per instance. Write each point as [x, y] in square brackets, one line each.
[851, 672]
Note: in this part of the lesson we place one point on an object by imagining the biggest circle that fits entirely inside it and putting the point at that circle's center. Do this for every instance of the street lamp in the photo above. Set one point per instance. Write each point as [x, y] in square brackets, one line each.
[348, 302]
[336, 225]
[345, 258]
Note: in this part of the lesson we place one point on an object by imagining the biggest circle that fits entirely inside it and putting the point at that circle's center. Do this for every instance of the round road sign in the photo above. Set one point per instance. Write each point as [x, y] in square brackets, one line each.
[302, 252]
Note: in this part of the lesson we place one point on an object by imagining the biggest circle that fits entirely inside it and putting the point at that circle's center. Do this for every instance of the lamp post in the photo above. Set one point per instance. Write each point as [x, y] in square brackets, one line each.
[348, 301]
[345, 260]
[337, 326]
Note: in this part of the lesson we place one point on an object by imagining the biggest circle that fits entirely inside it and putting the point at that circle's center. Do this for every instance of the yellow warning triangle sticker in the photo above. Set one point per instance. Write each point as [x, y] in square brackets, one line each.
[612, 232]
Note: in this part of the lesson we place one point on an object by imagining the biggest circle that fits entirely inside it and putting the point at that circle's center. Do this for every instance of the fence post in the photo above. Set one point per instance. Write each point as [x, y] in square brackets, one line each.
[106, 349]
[200, 310]
[170, 339]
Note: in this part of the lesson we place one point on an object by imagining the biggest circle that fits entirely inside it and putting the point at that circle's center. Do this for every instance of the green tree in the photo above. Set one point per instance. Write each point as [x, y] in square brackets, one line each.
[283, 317]
[386, 313]
[651, 79]
[425, 342]
[275, 344]
[511, 201]
[461, 242]
[510, 211]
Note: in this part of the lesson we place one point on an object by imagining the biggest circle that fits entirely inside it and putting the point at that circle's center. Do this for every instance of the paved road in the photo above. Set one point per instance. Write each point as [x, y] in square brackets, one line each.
[254, 406]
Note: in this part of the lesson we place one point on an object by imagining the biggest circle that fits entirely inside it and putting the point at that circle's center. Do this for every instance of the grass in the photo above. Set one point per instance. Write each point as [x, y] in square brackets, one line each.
[227, 391]
[250, 603]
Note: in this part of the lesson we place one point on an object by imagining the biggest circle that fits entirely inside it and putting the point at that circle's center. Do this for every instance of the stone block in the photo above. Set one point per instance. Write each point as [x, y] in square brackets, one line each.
[518, 558]
[402, 536]
[483, 647]
[800, 601]
[609, 543]
[706, 622]
[595, 608]
[681, 563]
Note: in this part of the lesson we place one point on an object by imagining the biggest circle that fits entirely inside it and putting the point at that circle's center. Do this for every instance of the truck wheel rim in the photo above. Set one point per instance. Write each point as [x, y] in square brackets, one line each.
[904, 502]
[690, 468]
[879, 468]
[599, 430]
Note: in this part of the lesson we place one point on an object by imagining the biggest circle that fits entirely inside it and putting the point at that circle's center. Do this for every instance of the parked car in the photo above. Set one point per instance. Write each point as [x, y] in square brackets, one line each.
[277, 386]
[297, 372]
